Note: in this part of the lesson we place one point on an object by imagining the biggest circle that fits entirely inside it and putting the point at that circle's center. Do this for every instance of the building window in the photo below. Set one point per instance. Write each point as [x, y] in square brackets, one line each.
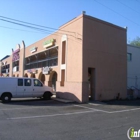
[5, 68]
[15, 66]
[48, 58]
[62, 77]
[129, 56]
[63, 51]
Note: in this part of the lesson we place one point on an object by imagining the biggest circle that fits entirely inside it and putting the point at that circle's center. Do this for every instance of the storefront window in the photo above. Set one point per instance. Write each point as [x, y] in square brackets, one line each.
[5, 69]
[43, 59]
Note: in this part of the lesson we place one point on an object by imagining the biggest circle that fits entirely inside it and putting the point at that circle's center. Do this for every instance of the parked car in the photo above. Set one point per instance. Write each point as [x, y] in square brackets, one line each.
[23, 87]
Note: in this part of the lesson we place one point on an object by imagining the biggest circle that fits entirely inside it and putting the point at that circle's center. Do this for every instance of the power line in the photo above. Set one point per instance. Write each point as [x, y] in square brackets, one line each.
[45, 31]
[24, 25]
[36, 28]
[18, 29]
[117, 13]
[128, 6]
[42, 30]
[34, 24]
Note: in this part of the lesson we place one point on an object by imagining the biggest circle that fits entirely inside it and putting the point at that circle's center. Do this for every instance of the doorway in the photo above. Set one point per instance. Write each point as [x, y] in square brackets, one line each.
[41, 77]
[54, 79]
[33, 75]
[26, 75]
[92, 82]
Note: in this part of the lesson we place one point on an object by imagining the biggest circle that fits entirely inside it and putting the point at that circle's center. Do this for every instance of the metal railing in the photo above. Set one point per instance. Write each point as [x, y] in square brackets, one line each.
[42, 63]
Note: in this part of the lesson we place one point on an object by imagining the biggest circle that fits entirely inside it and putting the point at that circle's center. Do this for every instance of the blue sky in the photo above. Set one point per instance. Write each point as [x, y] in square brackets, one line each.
[54, 13]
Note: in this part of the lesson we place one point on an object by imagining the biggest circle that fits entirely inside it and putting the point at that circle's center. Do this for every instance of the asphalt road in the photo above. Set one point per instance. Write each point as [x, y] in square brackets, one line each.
[52, 120]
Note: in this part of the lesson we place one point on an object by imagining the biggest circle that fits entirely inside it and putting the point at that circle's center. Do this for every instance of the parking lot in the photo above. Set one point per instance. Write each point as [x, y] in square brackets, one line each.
[35, 119]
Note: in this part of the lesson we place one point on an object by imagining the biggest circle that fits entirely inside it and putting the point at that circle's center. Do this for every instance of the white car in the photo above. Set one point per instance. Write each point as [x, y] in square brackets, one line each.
[23, 87]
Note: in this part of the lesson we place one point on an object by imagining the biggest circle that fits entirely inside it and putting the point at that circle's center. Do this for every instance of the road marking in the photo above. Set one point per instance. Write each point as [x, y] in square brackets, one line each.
[52, 115]
[93, 104]
[111, 112]
[21, 108]
[97, 103]
[121, 111]
[92, 108]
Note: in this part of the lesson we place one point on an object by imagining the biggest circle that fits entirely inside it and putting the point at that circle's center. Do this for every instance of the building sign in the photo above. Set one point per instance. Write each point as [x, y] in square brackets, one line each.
[46, 70]
[32, 71]
[15, 69]
[49, 43]
[34, 49]
[15, 55]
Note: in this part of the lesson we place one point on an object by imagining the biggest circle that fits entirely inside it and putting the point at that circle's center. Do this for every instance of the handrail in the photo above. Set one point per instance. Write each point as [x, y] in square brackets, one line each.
[41, 60]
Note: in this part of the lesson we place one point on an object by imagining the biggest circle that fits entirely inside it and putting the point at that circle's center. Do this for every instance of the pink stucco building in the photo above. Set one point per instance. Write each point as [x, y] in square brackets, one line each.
[86, 57]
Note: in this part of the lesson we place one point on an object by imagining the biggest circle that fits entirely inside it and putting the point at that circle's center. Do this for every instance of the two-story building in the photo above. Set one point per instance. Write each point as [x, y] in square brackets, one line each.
[86, 57]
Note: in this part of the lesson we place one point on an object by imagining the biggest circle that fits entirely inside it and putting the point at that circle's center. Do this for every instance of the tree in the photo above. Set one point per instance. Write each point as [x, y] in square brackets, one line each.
[135, 42]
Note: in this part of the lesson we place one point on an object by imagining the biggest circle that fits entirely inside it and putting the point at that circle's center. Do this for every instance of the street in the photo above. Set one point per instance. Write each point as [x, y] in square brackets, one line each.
[52, 120]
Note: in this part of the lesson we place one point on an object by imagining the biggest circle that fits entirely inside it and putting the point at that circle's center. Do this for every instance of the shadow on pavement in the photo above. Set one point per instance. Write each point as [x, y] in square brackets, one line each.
[134, 102]
[35, 102]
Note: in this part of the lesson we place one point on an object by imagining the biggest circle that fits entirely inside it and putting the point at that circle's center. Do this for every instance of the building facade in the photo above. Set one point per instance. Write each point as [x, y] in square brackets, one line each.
[86, 57]
[133, 67]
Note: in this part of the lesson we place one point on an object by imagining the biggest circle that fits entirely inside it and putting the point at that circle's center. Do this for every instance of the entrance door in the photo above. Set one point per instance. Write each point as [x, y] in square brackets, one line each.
[92, 82]
[54, 79]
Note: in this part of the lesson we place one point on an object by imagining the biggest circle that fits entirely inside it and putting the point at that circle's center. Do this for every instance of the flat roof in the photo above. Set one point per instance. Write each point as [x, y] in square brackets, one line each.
[92, 18]
[133, 46]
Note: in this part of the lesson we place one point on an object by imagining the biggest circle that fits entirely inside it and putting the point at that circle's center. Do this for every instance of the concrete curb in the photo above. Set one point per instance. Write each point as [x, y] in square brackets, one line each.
[62, 100]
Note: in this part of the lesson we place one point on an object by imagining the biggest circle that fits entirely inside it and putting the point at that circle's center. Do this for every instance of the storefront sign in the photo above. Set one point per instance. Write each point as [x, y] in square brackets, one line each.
[49, 43]
[46, 70]
[32, 71]
[15, 54]
[15, 69]
[34, 49]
